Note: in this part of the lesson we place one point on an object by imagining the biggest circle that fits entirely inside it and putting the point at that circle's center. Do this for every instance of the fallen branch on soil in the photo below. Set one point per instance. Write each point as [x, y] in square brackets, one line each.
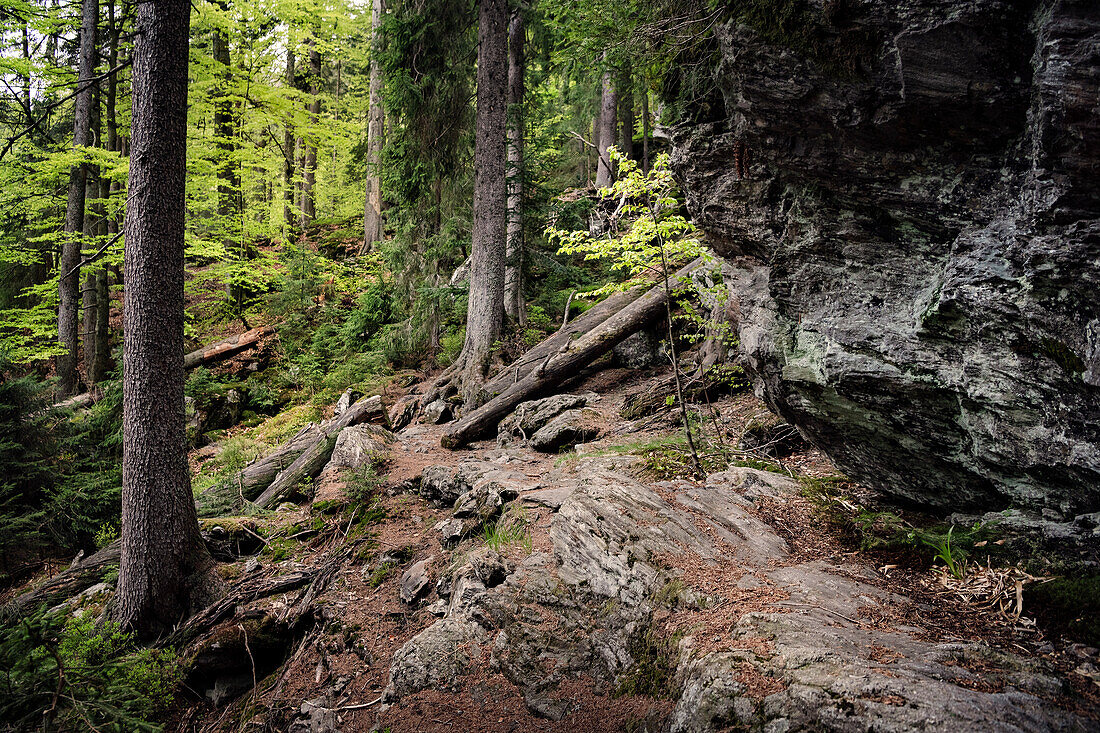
[559, 365]
[206, 355]
[270, 478]
[226, 347]
[65, 585]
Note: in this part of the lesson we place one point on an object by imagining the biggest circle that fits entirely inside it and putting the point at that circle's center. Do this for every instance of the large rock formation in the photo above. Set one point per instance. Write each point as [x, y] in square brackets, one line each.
[907, 197]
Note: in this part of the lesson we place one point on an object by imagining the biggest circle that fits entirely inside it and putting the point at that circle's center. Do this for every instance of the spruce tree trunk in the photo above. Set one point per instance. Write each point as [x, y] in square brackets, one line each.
[289, 152]
[309, 169]
[645, 129]
[69, 283]
[372, 213]
[513, 272]
[102, 362]
[229, 182]
[626, 114]
[608, 104]
[90, 230]
[485, 312]
[164, 565]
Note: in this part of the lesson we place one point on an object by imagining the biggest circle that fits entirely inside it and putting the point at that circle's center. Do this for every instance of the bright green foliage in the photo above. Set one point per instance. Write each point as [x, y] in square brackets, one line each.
[656, 234]
[77, 675]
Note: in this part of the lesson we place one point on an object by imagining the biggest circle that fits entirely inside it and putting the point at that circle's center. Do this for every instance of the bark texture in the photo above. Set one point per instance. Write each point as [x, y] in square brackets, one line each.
[485, 312]
[608, 114]
[289, 151]
[68, 315]
[309, 167]
[229, 181]
[513, 270]
[372, 214]
[164, 561]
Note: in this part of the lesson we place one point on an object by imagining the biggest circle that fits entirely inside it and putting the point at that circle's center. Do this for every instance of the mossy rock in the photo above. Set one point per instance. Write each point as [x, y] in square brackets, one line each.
[1070, 606]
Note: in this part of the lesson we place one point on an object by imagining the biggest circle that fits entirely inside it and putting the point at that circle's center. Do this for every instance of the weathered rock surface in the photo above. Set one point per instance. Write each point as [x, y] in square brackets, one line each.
[360, 445]
[582, 610]
[569, 428]
[529, 417]
[908, 208]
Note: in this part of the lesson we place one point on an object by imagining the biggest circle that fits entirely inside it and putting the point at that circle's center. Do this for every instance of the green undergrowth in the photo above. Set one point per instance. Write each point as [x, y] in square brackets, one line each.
[509, 530]
[74, 674]
[916, 540]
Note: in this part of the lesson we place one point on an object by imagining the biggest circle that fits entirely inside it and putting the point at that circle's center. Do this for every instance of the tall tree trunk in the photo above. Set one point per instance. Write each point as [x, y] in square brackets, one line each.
[289, 152]
[607, 129]
[90, 230]
[645, 128]
[309, 169]
[163, 572]
[69, 282]
[372, 213]
[102, 362]
[229, 182]
[485, 312]
[626, 113]
[513, 270]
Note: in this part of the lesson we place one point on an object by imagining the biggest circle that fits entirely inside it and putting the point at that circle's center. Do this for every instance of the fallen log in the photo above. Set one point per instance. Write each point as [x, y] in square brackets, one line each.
[585, 322]
[82, 575]
[564, 363]
[226, 347]
[205, 355]
[303, 455]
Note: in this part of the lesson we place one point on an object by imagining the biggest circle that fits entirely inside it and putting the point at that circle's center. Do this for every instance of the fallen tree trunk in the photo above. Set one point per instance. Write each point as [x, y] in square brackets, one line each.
[585, 322]
[285, 466]
[68, 583]
[226, 347]
[206, 355]
[564, 363]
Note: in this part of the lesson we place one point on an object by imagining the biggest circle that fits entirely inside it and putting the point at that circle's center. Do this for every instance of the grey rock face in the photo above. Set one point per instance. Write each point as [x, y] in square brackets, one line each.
[359, 445]
[569, 428]
[529, 416]
[641, 350]
[913, 227]
[415, 581]
[437, 412]
[580, 611]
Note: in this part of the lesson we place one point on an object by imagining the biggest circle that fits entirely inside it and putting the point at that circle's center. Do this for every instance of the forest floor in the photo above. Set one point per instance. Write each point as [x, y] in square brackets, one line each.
[697, 628]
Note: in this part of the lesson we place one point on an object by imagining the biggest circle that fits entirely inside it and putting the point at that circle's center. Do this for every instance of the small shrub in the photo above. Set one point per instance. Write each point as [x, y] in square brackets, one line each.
[84, 677]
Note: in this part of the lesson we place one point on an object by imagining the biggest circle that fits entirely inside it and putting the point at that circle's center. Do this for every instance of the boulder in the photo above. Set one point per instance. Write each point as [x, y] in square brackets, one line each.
[529, 417]
[360, 445]
[415, 581]
[568, 429]
[908, 210]
[437, 412]
[640, 350]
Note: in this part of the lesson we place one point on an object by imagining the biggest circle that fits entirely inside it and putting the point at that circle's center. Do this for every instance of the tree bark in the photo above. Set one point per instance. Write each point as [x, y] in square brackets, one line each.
[564, 364]
[289, 152]
[102, 362]
[626, 113]
[582, 324]
[309, 169]
[514, 307]
[164, 567]
[372, 213]
[485, 311]
[645, 128]
[69, 282]
[229, 182]
[608, 104]
[226, 347]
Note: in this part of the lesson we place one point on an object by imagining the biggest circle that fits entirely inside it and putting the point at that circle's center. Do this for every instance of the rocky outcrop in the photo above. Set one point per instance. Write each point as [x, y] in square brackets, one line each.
[801, 647]
[906, 198]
